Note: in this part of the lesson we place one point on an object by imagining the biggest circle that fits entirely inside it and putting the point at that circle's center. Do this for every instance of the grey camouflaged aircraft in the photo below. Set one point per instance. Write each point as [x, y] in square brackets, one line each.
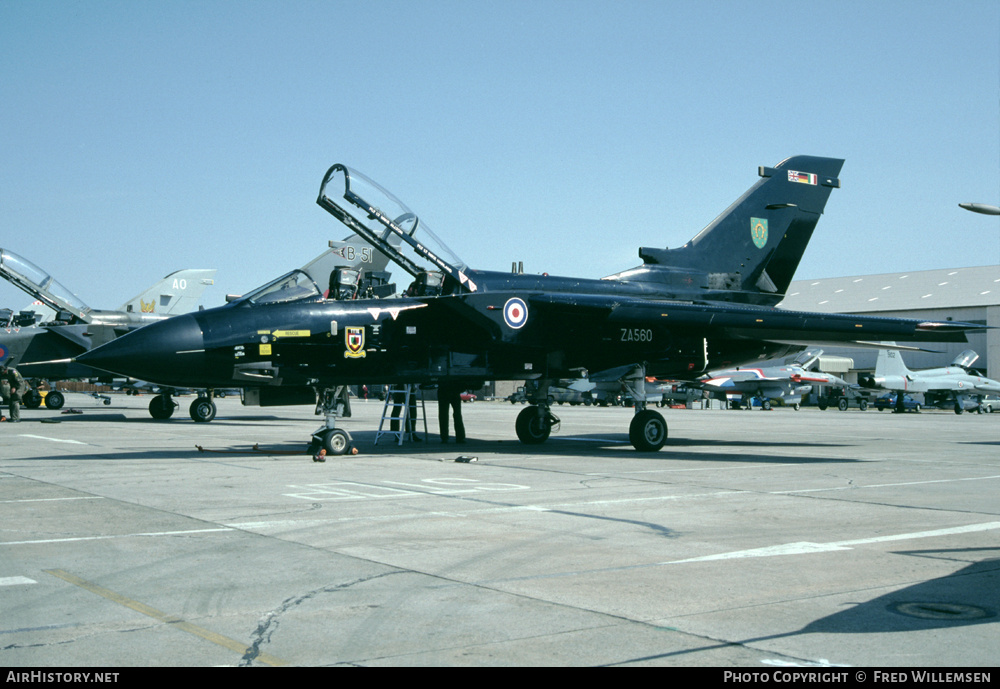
[956, 386]
[709, 303]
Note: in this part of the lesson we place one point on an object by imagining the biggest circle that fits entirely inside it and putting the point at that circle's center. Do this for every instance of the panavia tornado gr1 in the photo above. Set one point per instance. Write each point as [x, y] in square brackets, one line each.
[705, 305]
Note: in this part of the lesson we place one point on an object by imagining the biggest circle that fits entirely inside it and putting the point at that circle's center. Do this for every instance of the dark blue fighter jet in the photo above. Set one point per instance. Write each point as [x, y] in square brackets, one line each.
[707, 304]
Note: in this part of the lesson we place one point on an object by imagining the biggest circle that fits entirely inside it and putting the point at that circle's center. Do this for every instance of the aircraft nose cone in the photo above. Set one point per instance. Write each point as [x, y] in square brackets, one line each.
[170, 352]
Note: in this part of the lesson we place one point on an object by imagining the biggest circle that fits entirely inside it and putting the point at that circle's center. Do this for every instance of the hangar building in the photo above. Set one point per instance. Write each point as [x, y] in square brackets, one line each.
[958, 294]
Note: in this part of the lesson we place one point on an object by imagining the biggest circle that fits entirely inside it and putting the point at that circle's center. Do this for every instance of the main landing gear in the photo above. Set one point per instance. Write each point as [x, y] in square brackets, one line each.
[647, 431]
[32, 399]
[202, 409]
[162, 406]
[535, 423]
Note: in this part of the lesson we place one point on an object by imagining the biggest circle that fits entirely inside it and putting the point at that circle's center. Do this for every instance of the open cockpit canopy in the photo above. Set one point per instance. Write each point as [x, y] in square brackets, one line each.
[387, 224]
[41, 285]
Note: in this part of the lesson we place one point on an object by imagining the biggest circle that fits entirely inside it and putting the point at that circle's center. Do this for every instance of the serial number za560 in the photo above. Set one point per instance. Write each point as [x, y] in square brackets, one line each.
[636, 335]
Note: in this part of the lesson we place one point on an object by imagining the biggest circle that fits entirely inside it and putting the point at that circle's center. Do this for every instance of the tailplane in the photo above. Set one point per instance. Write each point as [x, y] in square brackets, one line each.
[751, 251]
[177, 293]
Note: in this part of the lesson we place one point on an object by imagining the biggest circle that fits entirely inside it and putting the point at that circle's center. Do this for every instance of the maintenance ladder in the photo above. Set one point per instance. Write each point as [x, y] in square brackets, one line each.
[404, 407]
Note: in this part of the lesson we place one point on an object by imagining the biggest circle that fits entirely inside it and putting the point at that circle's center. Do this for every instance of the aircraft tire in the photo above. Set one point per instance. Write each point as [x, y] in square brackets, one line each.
[55, 400]
[531, 428]
[203, 410]
[822, 406]
[336, 442]
[161, 407]
[648, 431]
[766, 405]
[31, 399]
[842, 405]
[958, 408]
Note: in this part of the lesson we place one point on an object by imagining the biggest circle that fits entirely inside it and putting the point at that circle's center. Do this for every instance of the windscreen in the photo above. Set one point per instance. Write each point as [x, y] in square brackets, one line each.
[292, 286]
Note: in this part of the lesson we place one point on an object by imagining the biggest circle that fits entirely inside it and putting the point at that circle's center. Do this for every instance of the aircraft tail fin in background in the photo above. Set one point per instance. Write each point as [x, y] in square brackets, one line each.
[353, 252]
[177, 293]
[756, 244]
[890, 363]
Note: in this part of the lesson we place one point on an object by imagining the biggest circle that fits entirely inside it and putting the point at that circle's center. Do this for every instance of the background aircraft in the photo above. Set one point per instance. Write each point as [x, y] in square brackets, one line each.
[707, 303]
[77, 328]
[72, 327]
[786, 384]
[178, 292]
[956, 386]
[984, 208]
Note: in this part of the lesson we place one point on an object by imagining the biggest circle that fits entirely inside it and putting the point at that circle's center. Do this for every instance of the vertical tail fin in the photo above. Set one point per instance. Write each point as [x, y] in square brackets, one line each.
[890, 363]
[756, 244]
[177, 293]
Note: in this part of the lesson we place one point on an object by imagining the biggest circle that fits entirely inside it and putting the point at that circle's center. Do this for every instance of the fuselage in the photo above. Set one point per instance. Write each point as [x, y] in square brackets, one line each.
[509, 329]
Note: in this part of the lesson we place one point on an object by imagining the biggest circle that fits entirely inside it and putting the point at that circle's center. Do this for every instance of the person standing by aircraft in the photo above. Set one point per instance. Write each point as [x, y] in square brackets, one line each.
[11, 387]
[450, 395]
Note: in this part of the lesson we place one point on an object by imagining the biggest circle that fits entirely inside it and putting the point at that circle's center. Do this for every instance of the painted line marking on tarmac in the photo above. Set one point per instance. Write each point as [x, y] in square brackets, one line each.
[175, 622]
[309, 523]
[805, 547]
[16, 581]
[55, 440]
[885, 485]
[593, 440]
[124, 535]
[786, 549]
[690, 469]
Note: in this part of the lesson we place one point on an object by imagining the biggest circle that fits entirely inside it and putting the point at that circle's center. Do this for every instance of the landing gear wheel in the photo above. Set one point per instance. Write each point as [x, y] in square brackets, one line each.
[55, 400]
[336, 443]
[533, 428]
[796, 406]
[958, 408]
[648, 431]
[32, 399]
[202, 410]
[766, 405]
[161, 407]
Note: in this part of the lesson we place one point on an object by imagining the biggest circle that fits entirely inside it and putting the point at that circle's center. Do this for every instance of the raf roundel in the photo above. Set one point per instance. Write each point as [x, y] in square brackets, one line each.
[515, 312]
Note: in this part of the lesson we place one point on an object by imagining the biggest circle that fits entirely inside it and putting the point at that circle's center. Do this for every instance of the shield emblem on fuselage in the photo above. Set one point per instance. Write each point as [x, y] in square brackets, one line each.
[354, 338]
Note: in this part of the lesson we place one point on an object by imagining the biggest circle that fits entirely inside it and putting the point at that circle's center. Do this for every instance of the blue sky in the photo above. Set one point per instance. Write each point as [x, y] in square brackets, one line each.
[138, 138]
